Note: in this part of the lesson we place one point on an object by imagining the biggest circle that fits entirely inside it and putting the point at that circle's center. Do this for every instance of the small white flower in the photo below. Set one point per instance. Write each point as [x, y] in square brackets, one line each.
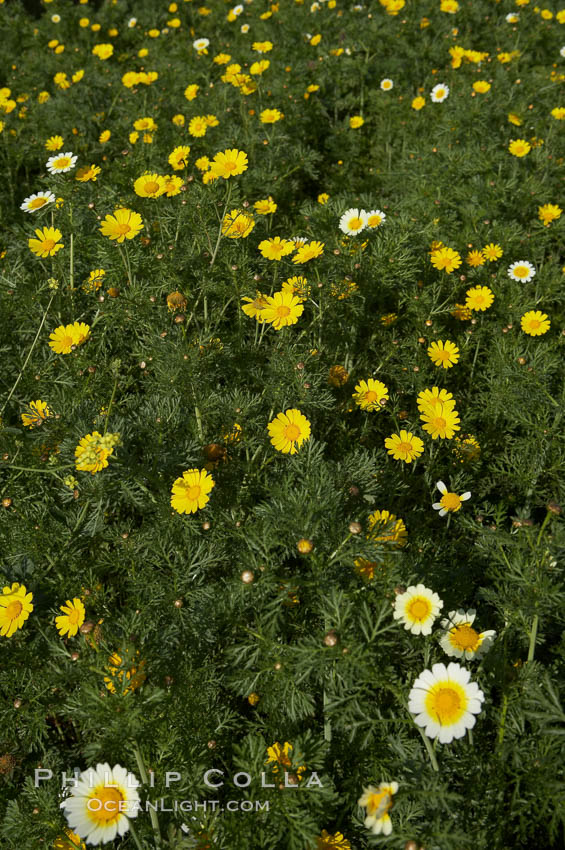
[61, 162]
[439, 93]
[132, 22]
[562, 51]
[417, 608]
[100, 804]
[237, 10]
[244, 28]
[445, 702]
[386, 84]
[314, 7]
[522, 271]
[378, 802]
[353, 221]
[460, 639]
[37, 202]
[56, 19]
[200, 44]
[375, 218]
[450, 502]
[512, 18]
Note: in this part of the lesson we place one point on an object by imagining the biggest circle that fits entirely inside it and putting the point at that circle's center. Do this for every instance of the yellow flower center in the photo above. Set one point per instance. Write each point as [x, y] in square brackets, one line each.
[374, 220]
[371, 396]
[404, 447]
[282, 311]
[442, 354]
[122, 228]
[152, 187]
[48, 244]
[292, 432]
[534, 324]
[193, 492]
[37, 203]
[450, 501]
[465, 637]
[479, 300]
[355, 223]
[419, 608]
[104, 805]
[446, 704]
[440, 92]
[521, 271]
[381, 801]
[439, 423]
[13, 610]
[62, 162]
[73, 617]
[230, 165]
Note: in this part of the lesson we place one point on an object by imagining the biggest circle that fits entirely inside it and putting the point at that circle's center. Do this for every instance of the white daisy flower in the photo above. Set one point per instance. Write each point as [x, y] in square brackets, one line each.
[449, 502]
[417, 608]
[378, 802]
[36, 202]
[56, 19]
[237, 10]
[512, 18]
[353, 221]
[445, 702]
[386, 84]
[61, 162]
[522, 271]
[101, 802]
[562, 51]
[460, 639]
[375, 218]
[314, 7]
[200, 44]
[132, 22]
[244, 28]
[439, 93]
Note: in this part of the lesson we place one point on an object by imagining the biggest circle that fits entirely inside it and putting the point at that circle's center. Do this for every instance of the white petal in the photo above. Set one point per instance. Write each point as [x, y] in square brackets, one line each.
[465, 496]
[441, 487]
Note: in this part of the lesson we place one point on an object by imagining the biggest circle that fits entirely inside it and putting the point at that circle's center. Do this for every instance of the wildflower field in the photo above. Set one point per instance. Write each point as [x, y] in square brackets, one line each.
[282, 454]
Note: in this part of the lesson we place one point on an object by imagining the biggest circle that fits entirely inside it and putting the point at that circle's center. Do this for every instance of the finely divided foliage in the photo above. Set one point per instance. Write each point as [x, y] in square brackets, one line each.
[281, 424]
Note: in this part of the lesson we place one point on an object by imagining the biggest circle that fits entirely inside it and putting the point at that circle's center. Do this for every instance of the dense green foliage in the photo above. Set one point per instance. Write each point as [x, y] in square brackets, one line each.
[238, 639]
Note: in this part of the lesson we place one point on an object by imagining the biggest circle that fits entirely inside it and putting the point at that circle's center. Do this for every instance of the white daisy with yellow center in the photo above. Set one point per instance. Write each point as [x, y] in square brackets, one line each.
[522, 271]
[375, 218]
[417, 608]
[449, 502]
[100, 805]
[200, 44]
[439, 93]
[37, 201]
[378, 802]
[386, 84]
[445, 702]
[460, 639]
[353, 221]
[61, 162]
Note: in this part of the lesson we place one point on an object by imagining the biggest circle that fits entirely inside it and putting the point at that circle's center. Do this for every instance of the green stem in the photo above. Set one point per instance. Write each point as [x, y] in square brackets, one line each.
[429, 748]
[533, 635]
[43, 471]
[123, 250]
[228, 194]
[502, 722]
[11, 393]
[145, 780]
[110, 406]
[135, 836]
